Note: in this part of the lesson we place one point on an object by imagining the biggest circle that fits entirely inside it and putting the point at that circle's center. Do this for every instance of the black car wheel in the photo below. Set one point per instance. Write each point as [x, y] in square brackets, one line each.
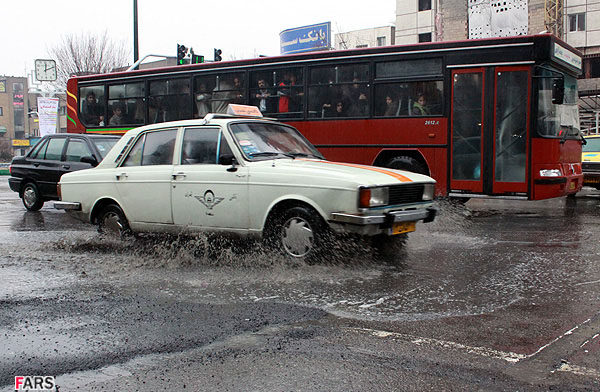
[32, 199]
[299, 232]
[112, 221]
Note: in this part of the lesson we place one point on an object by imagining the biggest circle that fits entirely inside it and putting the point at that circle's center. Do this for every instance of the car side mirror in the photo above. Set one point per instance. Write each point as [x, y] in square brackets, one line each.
[558, 91]
[89, 159]
[228, 159]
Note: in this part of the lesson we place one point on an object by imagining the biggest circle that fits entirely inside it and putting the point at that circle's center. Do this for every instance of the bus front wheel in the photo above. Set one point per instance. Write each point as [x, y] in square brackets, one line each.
[407, 163]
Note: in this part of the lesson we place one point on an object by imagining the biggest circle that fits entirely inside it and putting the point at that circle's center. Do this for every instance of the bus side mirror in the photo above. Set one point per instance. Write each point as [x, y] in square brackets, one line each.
[558, 91]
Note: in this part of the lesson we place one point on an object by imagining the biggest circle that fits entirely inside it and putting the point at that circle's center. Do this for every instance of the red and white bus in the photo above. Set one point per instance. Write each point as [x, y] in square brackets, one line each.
[486, 118]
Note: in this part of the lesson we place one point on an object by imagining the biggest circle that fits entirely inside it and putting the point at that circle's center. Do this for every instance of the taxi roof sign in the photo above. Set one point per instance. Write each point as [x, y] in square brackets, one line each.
[243, 110]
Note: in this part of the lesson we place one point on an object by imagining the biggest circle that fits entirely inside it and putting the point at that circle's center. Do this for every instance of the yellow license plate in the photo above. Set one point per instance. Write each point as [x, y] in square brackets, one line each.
[402, 227]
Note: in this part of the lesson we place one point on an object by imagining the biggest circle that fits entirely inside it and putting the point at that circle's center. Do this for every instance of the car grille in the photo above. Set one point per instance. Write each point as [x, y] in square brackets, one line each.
[407, 193]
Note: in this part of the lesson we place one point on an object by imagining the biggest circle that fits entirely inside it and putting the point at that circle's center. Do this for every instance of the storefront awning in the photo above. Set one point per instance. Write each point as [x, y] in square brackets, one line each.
[2, 129]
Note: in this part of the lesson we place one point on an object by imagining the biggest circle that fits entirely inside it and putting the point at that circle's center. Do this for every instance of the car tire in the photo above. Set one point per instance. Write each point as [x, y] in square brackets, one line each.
[299, 233]
[407, 163]
[31, 196]
[112, 222]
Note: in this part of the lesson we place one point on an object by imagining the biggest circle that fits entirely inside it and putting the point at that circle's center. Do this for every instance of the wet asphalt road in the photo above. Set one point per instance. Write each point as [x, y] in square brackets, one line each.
[494, 295]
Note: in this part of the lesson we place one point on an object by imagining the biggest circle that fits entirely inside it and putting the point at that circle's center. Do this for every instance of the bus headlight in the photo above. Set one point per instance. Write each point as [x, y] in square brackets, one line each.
[428, 190]
[550, 173]
[373, 197]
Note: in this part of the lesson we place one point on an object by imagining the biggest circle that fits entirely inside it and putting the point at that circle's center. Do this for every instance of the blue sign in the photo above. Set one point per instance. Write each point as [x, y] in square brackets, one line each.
[306, 39]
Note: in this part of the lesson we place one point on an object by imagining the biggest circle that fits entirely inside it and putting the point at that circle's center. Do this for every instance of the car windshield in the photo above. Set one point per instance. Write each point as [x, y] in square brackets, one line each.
[593, 144]
[104, 145]
[265, 140]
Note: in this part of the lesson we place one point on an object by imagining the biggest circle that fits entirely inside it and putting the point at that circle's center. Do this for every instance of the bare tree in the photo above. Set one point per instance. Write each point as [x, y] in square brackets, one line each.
[86, 54]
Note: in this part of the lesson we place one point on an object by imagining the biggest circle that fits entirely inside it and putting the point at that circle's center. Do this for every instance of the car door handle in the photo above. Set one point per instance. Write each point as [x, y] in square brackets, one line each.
[122, 175]
[66, 167]
[175, 175]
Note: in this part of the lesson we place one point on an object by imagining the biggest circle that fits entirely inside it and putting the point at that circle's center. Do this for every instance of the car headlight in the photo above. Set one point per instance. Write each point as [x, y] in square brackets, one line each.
[550, 173]
[428, 190]
[373, 197]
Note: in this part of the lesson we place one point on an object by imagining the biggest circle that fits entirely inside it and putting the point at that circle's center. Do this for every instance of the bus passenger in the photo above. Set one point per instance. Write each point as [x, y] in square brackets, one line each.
[117, 117]
[391, 108]
[419, 107]
[263, 96]
[203, 101]
[91, 110]
[357, 95]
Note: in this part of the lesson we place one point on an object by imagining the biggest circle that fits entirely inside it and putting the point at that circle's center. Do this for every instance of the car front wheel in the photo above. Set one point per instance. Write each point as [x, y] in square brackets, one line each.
[32, 199]
[299, 232]
[112, 221]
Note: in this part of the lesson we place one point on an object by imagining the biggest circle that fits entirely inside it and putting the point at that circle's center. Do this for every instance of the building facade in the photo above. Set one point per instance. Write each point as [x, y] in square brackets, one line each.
[366, 38]
[19, 123]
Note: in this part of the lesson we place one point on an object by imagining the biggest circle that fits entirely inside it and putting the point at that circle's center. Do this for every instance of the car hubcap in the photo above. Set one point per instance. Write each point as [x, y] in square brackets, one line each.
[112, 223]
[297, 237]
[29, 196]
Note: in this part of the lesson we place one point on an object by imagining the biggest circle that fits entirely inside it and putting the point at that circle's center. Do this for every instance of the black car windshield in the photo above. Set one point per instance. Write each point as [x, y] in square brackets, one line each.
[104, 145]
[265, 140]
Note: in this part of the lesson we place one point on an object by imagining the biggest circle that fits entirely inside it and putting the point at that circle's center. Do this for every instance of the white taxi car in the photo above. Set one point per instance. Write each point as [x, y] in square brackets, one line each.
[246, 175]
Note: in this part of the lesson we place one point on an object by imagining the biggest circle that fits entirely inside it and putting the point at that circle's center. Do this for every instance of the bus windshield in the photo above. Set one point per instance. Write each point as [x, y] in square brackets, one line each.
[556, 120]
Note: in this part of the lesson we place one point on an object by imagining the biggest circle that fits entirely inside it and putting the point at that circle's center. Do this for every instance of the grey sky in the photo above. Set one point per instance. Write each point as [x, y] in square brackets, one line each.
[239, 27]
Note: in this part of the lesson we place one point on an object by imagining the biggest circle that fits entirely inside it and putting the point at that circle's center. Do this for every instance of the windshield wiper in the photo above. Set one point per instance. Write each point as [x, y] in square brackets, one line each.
[263, 154]
[303, 154]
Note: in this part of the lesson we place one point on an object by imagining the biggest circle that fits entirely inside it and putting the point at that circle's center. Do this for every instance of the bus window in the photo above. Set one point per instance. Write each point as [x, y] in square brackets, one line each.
[552, 119]
[212, 93]
[92, 105]
[408, 68]
[127, 98]
[290, 93]
[339, 91]
[263, 92]
[169, 100]
[409, 99]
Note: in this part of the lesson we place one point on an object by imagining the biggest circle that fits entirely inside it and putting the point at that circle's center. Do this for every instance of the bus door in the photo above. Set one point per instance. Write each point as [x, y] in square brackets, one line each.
[489, 136]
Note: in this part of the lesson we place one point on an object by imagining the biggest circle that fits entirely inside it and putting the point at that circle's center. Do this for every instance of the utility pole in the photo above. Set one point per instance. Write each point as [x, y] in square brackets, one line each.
[135, 32]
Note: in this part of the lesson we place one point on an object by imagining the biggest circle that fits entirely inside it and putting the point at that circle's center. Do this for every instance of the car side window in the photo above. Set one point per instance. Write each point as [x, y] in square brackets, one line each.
[77, 149]
[158, 148]
[40, 150]
[55, 149]
[200, 146]
[152, 148]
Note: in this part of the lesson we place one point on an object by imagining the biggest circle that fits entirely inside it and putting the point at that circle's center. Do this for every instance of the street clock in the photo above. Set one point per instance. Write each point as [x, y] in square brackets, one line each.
[45, 70]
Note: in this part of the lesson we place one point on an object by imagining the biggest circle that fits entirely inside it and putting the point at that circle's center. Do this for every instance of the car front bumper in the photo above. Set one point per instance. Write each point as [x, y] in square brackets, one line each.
[381, 223]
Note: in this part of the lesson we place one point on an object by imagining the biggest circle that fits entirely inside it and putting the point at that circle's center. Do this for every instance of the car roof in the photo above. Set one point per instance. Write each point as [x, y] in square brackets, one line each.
[86, 135]
[210, 119]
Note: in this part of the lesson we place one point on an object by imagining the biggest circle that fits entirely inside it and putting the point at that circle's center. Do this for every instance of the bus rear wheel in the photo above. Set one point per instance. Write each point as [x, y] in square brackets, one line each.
[407, 163]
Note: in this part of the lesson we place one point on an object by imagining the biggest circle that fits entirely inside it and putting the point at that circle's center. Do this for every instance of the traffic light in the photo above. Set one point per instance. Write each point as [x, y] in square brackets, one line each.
[181, 53]
[195, 58]
[218, 54]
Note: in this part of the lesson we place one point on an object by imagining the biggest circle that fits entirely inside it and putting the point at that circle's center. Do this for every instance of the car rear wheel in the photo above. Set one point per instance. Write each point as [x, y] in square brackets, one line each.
[112, 221]
[32, 199]
[299, 232]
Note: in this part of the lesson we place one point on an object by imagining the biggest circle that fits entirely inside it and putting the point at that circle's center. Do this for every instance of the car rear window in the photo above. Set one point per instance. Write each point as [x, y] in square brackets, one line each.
[104, 145]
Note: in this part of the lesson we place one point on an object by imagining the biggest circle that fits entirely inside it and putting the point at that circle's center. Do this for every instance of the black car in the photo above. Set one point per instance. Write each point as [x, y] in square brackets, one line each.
[36, 175]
